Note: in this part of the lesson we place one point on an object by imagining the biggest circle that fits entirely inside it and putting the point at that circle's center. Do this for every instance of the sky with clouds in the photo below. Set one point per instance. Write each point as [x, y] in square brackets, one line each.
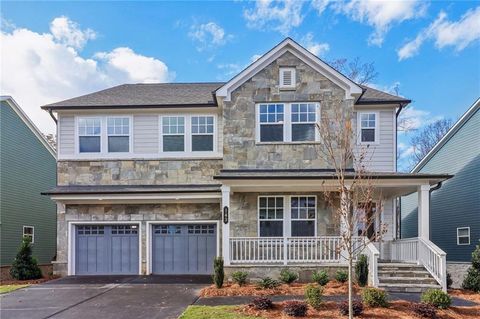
[52, 51]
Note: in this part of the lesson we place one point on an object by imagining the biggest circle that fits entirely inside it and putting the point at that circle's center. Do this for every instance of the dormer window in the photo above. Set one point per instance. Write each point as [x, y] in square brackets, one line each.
[287, 78]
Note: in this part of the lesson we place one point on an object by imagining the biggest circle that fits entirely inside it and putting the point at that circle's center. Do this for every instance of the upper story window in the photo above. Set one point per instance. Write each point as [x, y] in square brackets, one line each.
[287, 78]
[463, 236]
[202, 133]
[287, 122]
[173, 128]
[368, 127]
[29, 231]
[271, 122]
[118, 132]
[89, 135]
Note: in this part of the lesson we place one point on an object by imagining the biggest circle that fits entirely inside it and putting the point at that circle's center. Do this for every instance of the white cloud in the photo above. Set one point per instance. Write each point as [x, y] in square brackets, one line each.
[459, 34]
[405, 151]
[69, 33]
[381, 15]
[412, 118]
[320, 5]
[317, 48]
[208, 35]
[281, 16]
[255, 57]
[40, 68]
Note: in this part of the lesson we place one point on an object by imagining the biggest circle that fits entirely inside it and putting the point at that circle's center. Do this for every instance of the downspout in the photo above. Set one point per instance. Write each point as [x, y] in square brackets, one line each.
[52, 116]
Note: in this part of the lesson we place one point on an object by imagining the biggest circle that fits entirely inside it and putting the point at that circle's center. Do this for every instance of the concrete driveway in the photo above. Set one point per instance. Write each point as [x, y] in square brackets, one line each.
[106, 297]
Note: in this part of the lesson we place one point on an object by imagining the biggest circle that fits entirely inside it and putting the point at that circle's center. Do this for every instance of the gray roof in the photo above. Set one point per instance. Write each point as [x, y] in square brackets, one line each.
[135, 189]
[155, 95]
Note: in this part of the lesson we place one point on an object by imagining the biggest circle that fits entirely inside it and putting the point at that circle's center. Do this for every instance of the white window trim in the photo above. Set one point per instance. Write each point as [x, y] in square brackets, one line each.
[202, 134]
[359, 127]
[287, 123]
[188, 137]
[458, 236]
[276, 219]
[304, 219]
[281, 71]
[77, 135]
[130, 133]
[33, 232]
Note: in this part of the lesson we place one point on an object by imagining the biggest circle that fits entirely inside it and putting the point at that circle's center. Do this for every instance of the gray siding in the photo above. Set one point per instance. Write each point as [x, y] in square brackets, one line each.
[27, 168]
[457, 203]
[66, 138]
[145, 134]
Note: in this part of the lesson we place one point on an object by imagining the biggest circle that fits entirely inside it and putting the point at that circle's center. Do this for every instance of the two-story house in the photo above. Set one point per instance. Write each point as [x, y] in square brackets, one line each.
[160, 178]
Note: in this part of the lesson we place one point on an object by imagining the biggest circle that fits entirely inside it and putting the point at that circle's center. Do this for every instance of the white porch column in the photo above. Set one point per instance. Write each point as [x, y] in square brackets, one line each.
[226, 226]
[424, 211]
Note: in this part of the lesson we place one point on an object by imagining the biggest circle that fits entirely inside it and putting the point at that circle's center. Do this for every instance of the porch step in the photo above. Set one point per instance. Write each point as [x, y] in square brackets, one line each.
[405, 277]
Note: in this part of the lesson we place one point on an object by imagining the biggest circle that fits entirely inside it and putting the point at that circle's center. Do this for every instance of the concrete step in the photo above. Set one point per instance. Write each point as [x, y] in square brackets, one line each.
[407, 287]
[404, 273]
[401, 268]
[407, 280]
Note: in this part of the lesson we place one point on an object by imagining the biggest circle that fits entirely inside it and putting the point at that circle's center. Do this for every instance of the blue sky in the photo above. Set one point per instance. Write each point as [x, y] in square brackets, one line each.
[59, 50]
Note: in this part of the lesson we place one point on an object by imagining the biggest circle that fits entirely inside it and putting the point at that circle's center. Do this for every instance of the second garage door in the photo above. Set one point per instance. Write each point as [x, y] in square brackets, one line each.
[183, 249]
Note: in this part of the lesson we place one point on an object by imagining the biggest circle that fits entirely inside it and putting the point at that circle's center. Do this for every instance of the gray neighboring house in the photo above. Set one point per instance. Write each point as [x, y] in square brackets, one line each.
[160, 178]
[27, 167]
[455, 206]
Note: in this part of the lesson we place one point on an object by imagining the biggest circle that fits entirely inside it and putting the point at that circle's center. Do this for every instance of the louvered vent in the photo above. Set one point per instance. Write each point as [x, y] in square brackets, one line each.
[287, 77]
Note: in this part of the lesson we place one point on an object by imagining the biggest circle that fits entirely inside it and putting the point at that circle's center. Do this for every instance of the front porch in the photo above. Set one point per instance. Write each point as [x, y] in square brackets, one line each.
[251, 237]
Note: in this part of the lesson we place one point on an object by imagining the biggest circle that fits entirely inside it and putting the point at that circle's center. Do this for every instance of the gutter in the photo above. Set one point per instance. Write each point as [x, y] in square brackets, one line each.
[50, 111]
[436, 187]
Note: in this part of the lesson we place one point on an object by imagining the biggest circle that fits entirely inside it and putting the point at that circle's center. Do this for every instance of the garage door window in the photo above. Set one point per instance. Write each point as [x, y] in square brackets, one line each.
[90, 230]
[167, 229]
[201, 229]
[125, 229]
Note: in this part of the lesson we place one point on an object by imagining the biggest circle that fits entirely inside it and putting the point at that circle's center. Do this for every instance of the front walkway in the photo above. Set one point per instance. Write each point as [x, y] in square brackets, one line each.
[106, 297]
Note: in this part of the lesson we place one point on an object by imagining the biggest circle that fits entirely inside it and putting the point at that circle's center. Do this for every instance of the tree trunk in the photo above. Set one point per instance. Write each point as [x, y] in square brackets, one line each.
[350, 288]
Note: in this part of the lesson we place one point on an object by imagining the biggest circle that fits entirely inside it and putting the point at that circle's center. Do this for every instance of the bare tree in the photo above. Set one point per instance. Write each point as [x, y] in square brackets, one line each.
[358, 71]
[425, 139]
[352, 196]
[51, 140]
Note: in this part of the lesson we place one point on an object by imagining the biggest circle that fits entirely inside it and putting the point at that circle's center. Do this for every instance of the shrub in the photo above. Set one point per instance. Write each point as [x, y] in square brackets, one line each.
[341, 276]
[374, 297]
[436, 298]
[361, 270]
[288, 276]
[262, 303]
[424, 310]
[472, 279]
[313, 295]
[240, 277]
[357, 308]
[320, 277]
[218, 273]
[449, 280]
[268, 283]
[24, 266]
[295, 308]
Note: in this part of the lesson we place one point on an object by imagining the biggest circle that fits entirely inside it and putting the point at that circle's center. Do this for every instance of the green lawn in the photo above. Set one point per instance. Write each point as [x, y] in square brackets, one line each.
[217, 312]
[8, 288]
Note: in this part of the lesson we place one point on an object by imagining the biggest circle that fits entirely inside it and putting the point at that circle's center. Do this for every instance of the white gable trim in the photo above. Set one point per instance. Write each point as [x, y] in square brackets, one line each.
[451, 132]
[29, 123]
[352, 90]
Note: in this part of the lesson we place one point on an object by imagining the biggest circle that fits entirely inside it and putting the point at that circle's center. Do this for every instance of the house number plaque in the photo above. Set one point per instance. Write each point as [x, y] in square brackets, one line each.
[225, 215]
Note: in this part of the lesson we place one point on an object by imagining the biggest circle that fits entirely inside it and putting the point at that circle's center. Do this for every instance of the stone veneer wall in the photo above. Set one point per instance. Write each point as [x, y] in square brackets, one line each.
[244, 215]
[120, 212]
[240, 149]
[458, 271]
[138, 172]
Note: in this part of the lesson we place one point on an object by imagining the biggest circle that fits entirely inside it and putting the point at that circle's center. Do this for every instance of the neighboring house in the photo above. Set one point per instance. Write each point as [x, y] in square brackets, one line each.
[27, 167]
[455, 206]
[160, 178]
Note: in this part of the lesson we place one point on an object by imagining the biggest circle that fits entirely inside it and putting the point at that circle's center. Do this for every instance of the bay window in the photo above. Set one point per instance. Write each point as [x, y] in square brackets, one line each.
[118, 132]
[202, 133]
[173, 129]
[89, 135]
[270, 216]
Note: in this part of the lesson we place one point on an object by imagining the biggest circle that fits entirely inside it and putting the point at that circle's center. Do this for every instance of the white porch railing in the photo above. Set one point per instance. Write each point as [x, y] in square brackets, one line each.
[423, 252]
[373, 254]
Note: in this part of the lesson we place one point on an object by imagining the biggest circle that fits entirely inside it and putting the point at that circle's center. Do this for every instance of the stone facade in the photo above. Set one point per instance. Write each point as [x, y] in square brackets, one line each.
[458, 271]
[244, 215]
[135, 213]
[138, 172]
[240, 149]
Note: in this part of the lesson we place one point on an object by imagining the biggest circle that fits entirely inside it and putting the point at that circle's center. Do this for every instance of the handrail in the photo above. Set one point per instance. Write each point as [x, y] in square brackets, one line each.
[434, 260]
[373, 254]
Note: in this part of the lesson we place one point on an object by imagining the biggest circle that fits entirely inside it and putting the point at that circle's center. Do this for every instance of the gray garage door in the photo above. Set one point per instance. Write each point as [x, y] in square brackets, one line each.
[184, 249]
[106, 249]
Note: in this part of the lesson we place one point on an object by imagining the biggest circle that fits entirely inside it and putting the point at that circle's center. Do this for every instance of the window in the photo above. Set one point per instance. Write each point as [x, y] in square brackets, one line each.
[463, 236]
[271, 122]
[270, 216]
[303, 212]
[28, 231]
[118, 131]
[304, 116]
[173, 128]
[89, 131]
[368, 128]
[91, 230]
[201, 229]
[124, 229]
[287, 78]
[202, 133]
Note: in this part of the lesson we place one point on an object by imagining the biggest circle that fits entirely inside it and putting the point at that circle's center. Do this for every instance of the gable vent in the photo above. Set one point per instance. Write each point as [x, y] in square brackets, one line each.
[287, 77]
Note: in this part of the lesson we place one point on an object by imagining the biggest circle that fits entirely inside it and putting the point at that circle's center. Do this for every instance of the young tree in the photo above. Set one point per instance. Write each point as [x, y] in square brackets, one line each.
[353, 196]
[24, 266]
[425, 139]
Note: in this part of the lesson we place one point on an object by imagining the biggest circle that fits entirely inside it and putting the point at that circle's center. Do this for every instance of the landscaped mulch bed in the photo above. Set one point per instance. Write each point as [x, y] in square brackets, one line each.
[465, 294]
[397, 310]
[28, 282]
[331, 288]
